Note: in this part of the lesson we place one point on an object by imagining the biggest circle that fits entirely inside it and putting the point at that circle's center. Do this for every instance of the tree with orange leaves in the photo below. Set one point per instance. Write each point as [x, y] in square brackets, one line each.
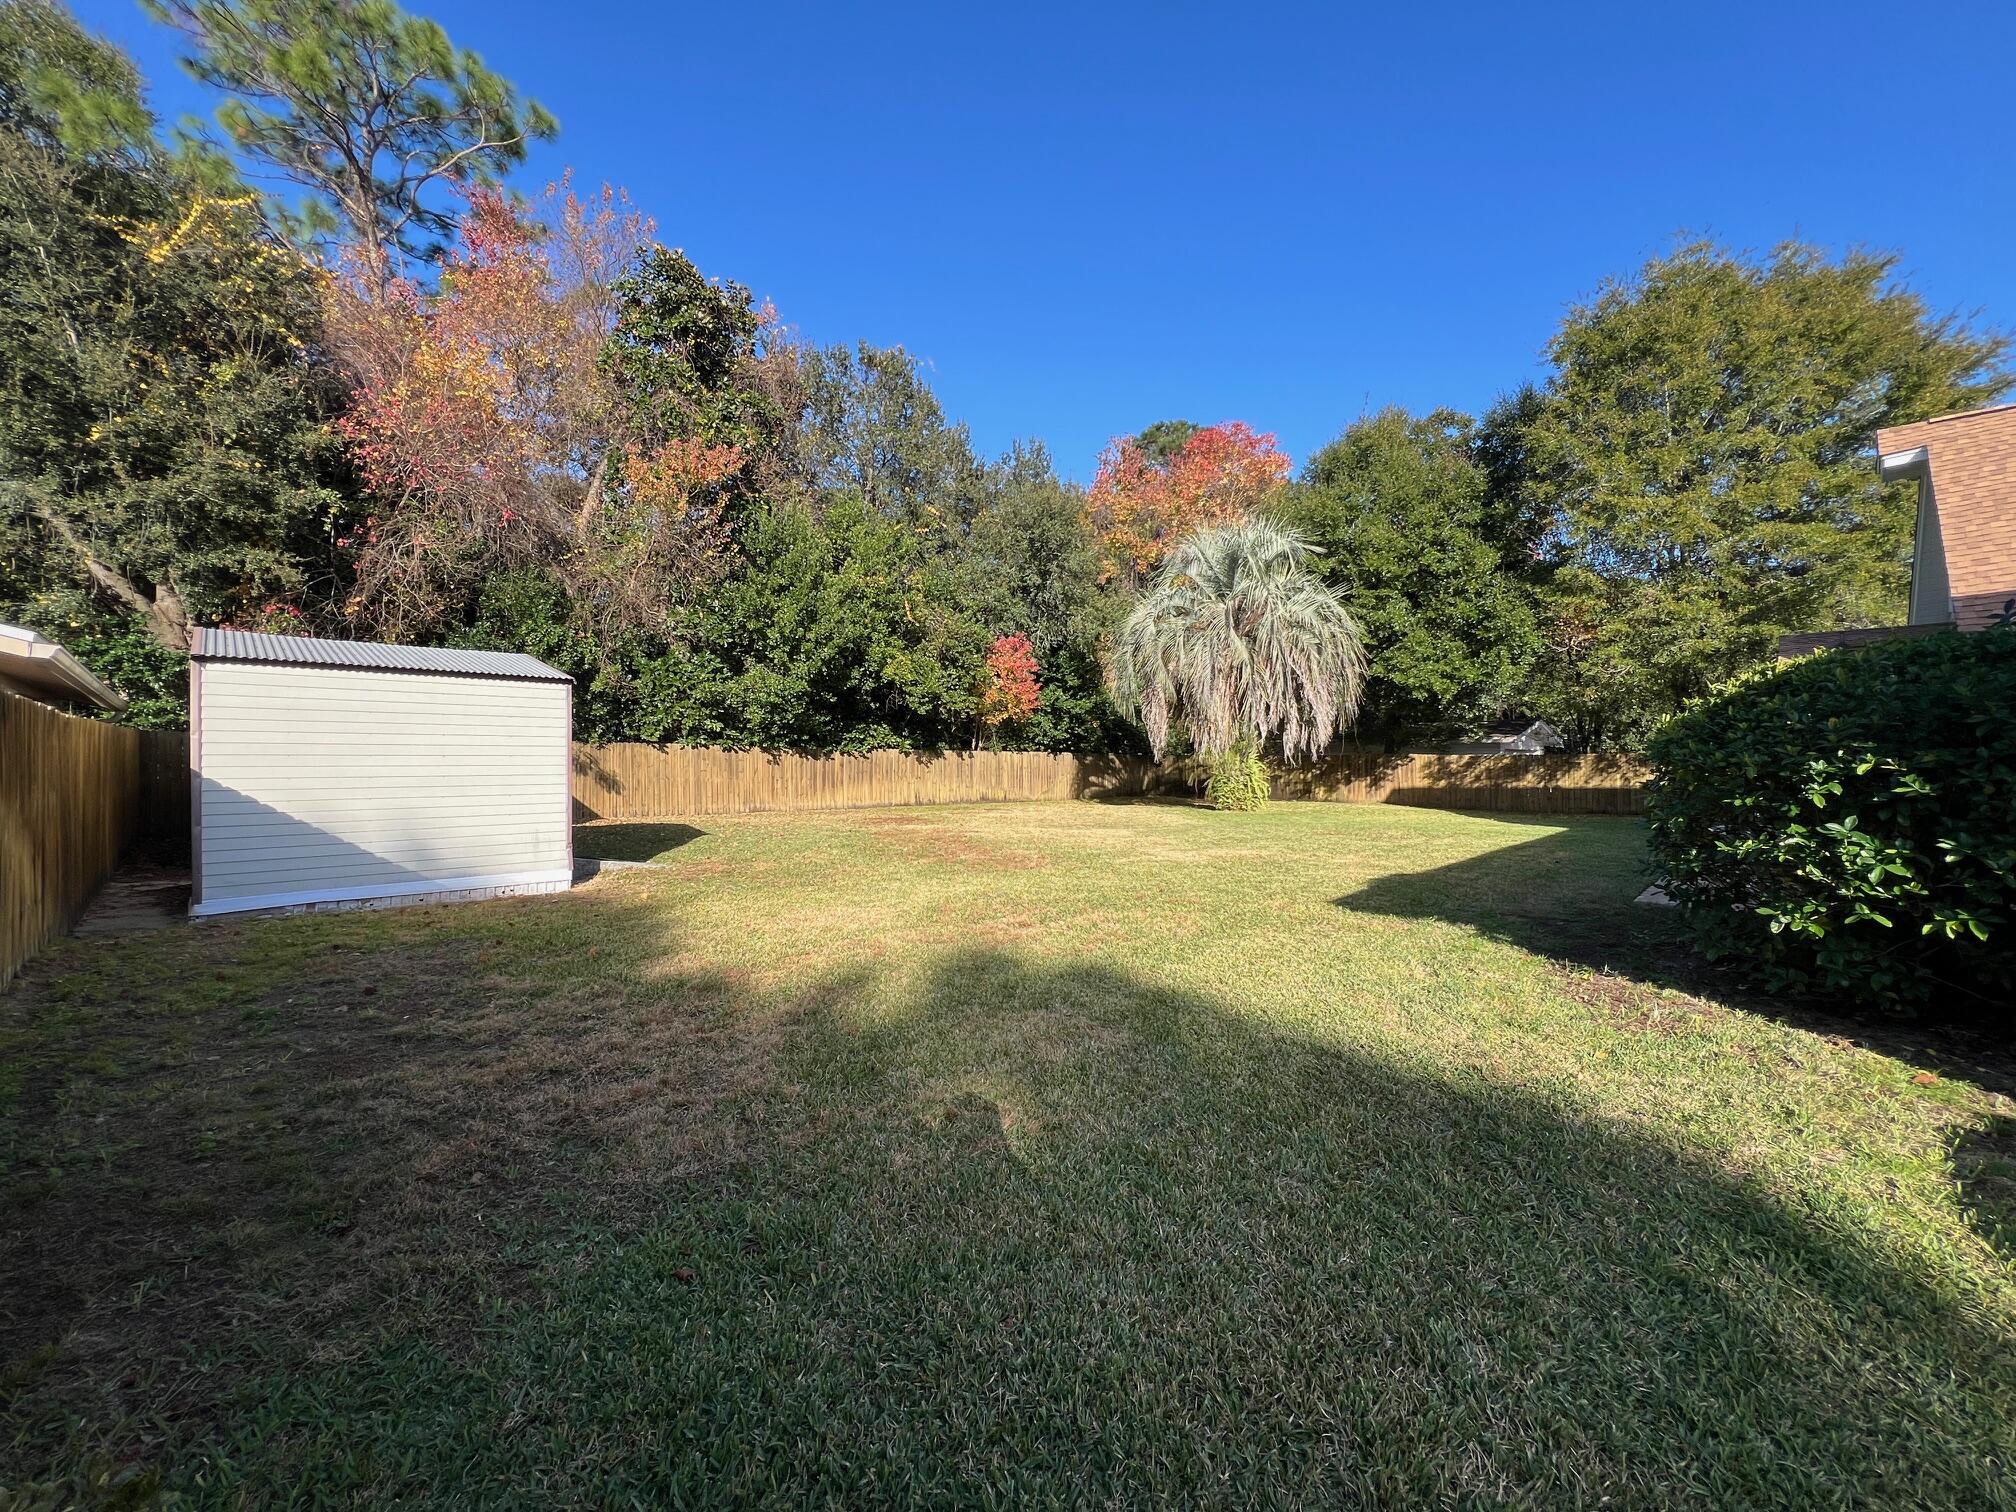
[1008, 686]
[495, 433]
[1152, 490]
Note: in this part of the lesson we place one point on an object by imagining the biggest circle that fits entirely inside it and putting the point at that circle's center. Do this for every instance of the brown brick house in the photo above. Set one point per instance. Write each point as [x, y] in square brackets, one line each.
[1963, 562]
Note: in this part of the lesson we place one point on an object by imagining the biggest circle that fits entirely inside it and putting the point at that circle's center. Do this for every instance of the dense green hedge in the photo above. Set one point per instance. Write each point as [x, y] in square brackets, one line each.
[1848, 822]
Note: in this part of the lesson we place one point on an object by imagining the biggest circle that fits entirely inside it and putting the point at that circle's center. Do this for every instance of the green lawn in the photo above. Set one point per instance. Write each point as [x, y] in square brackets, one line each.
[1004, 1155]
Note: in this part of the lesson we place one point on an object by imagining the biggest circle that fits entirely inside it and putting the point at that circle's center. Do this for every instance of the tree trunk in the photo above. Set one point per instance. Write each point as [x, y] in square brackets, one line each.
[591, 499]
[161, 611]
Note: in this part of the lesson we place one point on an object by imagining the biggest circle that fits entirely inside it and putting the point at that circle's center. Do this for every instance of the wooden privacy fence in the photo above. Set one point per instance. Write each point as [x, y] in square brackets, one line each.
[164, 785]
[640, 781]
[1495, 784]
[70, 799]
[646, 781]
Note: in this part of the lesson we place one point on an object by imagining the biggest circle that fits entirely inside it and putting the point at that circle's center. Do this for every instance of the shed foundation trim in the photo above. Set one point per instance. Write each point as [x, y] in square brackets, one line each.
[417, 891]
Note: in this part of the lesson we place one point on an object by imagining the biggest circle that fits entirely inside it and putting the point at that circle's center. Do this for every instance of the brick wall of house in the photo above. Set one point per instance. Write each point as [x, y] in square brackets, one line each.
[1973, 481]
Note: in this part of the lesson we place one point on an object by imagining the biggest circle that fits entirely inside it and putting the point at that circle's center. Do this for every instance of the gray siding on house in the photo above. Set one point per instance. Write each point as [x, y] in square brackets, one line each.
[319, 783]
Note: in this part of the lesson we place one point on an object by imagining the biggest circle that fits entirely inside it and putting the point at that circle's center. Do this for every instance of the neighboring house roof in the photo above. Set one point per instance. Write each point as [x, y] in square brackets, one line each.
[1791, 647]
[42, 669]
[1517, 726]
[312, 651]
[1515, 734]
[1964, 571]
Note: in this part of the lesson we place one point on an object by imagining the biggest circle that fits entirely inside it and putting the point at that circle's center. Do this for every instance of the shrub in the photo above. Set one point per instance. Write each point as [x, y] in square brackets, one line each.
[1848, 822]
[1238, 780]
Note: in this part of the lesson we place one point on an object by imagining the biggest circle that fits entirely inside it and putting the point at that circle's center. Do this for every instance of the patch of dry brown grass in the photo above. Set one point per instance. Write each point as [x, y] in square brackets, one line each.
[283, 1165]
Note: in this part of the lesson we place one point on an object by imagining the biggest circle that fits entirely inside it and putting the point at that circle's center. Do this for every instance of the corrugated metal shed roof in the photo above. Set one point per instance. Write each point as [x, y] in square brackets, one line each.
[311, 651]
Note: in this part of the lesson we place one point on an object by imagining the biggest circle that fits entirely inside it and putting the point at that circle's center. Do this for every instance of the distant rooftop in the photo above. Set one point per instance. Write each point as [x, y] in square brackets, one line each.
[1973, 414]
[1965, 569]
[369, 656]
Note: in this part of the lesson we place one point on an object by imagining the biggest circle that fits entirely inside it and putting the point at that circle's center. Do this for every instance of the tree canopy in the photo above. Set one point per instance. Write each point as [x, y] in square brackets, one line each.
[1155, 489]
[1701, 456]
[361, 105]
[1399, 508]
[873, 428]
[428, 403]
[163, 446]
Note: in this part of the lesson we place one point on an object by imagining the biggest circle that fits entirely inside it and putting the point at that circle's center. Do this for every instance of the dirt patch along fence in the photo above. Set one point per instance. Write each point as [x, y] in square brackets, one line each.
[74, 793]
[646, 781]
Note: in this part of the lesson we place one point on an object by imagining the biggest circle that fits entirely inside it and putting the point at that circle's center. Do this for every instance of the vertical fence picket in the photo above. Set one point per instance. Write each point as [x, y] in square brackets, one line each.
[644, 781]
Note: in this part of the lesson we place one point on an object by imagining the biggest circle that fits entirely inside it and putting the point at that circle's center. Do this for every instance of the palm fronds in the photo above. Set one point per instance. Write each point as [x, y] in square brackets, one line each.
[1238, 641]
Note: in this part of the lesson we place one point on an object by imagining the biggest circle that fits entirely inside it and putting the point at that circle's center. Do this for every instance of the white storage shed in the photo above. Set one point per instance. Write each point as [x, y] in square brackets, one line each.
[339, 774]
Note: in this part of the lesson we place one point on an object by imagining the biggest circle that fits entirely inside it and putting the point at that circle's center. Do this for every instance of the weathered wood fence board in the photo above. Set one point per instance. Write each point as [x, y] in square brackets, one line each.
[639, 781]
[164, 785]
[74, 793]
[69, 801]
[1497, 784]
[644, 781]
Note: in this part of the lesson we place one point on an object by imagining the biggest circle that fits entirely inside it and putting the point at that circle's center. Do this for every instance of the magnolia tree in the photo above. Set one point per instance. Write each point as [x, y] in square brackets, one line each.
[1156, 488]
[1241, 645]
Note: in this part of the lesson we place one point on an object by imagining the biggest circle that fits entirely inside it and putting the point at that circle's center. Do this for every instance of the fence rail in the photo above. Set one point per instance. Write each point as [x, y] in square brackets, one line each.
[642, 781]
[646, 781]
[1496, 784]
[636, 781]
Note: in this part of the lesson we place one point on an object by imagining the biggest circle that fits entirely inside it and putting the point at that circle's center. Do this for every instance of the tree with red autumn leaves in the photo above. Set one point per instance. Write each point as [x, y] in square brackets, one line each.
[1146, 497]
[1008, 686]
[493, 433]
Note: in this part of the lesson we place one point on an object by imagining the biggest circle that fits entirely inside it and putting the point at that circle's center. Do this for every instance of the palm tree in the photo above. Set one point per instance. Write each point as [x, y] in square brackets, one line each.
[1239, 642]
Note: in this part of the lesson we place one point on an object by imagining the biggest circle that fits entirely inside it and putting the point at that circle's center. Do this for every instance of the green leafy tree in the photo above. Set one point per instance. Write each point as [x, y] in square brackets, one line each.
[1518, 514]
[873, 428]
[361, 105]
[840, 632]
[1399, 508]
[852, 639]
[65, 90]
[1165, 438]
[695, 358]
[1029, 565]
[162, 435]
[1241, 644]
[1702, 457]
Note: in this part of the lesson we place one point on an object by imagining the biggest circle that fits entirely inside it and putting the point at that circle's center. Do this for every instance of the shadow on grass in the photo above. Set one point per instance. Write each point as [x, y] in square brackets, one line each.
[1558, 894]
[1050, 1231]
[631, 841]
[1984, 1167]
[1553, 896]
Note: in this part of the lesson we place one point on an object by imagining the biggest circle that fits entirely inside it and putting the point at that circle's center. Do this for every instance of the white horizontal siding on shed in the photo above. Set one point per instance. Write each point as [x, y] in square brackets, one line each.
[326, 784]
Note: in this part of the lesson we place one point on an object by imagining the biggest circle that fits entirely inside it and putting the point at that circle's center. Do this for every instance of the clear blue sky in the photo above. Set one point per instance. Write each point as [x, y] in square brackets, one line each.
[1088, 217]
